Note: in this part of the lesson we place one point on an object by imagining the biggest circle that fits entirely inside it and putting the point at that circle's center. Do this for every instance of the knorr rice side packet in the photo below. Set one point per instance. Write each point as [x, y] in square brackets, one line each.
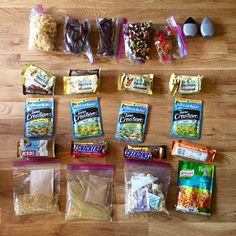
[39, 118]
[195, 185]
[85, 116]
[186, 118]
[132, 122]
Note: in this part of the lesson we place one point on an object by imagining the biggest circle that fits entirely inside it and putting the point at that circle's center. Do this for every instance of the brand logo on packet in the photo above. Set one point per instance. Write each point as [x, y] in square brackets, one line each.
[137, 154]
[87, 148]
[186, 173]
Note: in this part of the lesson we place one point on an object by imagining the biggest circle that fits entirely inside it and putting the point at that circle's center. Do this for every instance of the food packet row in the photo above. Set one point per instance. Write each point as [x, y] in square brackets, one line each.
[36, 189]
[44, 34]
[114, 34]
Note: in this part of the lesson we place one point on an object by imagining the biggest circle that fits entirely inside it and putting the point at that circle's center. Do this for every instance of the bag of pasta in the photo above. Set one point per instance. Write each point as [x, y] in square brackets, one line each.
[89, 191]
[146, 186]
[36, 186]
[43, 30]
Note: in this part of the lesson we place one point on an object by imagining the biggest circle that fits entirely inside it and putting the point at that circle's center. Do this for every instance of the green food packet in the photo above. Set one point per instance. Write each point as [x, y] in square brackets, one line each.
[85, 116]
[195, 184]
[186, 118]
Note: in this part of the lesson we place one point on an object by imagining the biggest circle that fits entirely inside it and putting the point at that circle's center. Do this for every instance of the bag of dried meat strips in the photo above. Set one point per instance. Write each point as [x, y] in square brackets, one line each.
[132, 122]
[195, 184]
[39, 117]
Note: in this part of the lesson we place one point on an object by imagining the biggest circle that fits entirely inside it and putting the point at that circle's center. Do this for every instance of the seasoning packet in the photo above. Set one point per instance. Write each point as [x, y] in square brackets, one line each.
[169, 41]
[131, 122]
[186, 118]
[136, 38]
[36, 186]
[89, 192]
[195, 185]
[148, 153]
[37, 81]
[43, 30]
[193, 151]
[89, 149]
[76, 37]
[28, 148]
[146, 186]
[85, 116]
[136, 83]
[185, 84]
[39, 118]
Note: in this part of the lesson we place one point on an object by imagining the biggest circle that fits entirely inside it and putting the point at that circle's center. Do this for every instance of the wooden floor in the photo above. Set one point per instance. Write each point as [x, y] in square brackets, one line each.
[214, 58]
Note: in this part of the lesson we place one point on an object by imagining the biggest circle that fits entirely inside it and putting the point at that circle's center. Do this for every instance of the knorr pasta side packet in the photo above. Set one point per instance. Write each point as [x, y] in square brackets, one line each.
[132, 122]
[85, 116]
[39, 118]
[186, 118]
[195, 184]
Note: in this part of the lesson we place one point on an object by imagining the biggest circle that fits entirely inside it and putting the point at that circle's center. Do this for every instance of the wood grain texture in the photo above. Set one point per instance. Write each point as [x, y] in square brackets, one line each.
[214, 58]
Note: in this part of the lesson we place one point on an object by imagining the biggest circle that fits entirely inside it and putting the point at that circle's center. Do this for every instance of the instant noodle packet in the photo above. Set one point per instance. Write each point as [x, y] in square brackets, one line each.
[132, 122]
[27, 148]
[89, 149]
[37, 80]
[195, 185]
[186, 118]
[185, 84]
[147, 153]
[136, 83]
[85, 116]
[193, 151]
[39, 118]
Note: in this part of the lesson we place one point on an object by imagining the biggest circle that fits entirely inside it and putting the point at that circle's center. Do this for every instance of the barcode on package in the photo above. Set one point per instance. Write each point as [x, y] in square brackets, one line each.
[201, 156]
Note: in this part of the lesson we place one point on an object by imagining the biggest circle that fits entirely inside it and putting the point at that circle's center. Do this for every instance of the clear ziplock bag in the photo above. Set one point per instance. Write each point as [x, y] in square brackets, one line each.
[89, 191]
[169, 42]
[76, 37]
[146, 186]
[43, 30]
[36, 186]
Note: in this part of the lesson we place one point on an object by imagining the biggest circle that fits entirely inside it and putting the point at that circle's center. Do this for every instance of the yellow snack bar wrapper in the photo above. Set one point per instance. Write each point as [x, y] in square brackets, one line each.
[81, 84]
[136, 83]
[185, 84]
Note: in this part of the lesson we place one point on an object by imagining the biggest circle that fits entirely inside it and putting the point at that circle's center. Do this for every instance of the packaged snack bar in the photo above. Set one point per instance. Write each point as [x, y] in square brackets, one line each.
[81, 84]
[76, 37]
[136, 83]
[131, 122]
[39, 118]
[89, 192]
[136, 38]
[169, 42]
[148, 153]
[89, 149]
[146, 186]
[28, 148]
[36, 186]
[85, 116]
[193, 151]
[43, 30]
[106, 31]
[195, 185]
[186, 118]
[185, 84]
[37, 81]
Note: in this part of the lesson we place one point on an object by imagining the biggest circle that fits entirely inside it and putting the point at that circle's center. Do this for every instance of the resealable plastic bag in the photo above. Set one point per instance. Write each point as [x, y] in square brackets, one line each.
[146, 186]
[89, 191]
[36, 186]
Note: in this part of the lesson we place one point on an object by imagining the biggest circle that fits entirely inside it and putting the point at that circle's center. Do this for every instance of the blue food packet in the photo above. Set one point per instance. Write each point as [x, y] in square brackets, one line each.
[85, 117]
[39, 118]
[186, 118]
[132, 122]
